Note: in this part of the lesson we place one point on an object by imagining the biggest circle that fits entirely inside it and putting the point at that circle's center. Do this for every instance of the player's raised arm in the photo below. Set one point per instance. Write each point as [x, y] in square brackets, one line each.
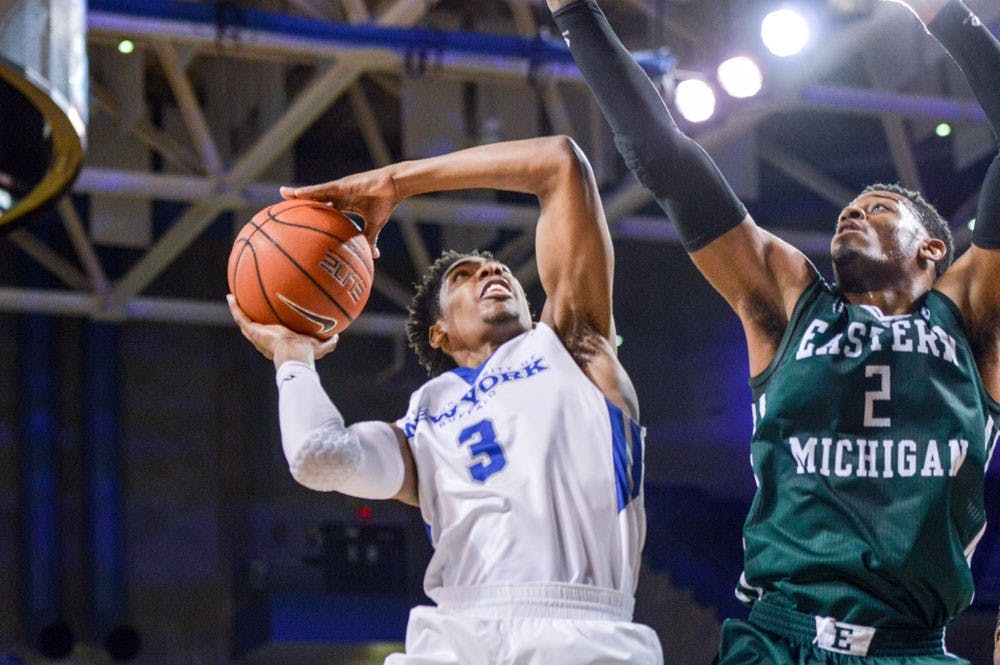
[971, 281]
[758, 274]
[573, 246]
[576, 274]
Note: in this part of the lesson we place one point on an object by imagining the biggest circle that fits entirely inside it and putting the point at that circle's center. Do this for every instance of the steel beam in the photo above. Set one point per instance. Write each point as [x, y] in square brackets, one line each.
[165, 310]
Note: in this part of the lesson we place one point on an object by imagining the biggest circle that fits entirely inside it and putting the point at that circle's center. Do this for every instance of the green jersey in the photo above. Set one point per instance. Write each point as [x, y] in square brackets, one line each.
[871, 438]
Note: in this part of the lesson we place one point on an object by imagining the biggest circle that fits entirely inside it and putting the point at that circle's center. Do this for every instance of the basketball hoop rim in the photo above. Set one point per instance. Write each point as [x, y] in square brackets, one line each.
[67, 137]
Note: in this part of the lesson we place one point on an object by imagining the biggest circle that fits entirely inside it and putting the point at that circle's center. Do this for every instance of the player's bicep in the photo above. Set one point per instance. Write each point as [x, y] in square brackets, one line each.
[573, 251]
[755, 271]
[408, 493]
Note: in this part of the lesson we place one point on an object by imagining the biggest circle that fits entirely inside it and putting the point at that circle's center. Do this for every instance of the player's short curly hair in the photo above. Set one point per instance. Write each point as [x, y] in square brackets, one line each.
[425, 310]
[928, 215]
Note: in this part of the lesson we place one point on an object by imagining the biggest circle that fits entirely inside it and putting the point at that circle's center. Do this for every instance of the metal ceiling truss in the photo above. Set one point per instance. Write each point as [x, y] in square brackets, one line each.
[202, 178]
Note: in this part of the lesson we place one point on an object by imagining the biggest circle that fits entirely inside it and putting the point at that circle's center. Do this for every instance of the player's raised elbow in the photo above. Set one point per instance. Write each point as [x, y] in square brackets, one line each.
[564, 152]
[560, 160]
[325, 458]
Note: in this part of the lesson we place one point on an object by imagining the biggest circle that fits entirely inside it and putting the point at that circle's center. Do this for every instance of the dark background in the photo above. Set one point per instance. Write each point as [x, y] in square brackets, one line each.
[146, 510]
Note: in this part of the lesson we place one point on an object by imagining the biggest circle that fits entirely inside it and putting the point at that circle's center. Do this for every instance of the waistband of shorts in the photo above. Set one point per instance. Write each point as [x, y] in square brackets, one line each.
[535, 600]
[890, 642]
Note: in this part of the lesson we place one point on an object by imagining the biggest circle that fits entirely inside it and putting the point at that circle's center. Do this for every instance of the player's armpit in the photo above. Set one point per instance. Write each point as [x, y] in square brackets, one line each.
[762, 278]
[970, 283]
[755, 271]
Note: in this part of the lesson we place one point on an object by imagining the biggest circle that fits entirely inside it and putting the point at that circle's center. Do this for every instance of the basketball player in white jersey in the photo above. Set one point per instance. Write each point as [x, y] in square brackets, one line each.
[522, 451]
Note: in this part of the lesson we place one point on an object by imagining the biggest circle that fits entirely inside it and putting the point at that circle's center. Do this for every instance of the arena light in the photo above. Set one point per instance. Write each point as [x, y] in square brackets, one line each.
[126, 46]
[943, 130]
[784, 32]
[740, 77]
[695, 100]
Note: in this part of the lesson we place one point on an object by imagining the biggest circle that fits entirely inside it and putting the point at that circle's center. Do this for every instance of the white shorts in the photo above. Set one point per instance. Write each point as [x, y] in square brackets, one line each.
[528, 624]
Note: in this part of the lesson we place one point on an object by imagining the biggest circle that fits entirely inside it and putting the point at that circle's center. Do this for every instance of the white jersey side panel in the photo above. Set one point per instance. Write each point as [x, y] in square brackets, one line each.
[527, 473]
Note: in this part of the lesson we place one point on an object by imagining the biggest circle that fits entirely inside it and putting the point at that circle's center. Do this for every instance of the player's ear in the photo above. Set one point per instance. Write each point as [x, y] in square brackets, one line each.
[932, 249]
[437, 337]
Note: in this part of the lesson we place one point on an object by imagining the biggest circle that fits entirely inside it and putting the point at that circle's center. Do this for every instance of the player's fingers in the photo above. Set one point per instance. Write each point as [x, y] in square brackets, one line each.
[247, 327]
[324, 193]
[290, 192]
[326, 346]
[371, 233]
[237, 313]
[252, 331]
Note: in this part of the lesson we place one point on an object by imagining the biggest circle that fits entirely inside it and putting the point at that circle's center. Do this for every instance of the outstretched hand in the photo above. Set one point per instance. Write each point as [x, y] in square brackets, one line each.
[278, 343]
[372, 195]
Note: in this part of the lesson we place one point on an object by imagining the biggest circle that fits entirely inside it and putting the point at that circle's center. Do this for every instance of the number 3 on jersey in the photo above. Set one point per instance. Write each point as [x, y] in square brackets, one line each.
[484, 449]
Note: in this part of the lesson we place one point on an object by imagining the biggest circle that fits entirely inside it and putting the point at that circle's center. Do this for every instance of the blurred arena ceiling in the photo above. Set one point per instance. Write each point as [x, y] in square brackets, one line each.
[221, 102]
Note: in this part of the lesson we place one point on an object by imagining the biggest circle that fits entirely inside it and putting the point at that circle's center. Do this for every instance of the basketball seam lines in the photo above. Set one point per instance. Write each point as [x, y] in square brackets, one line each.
[300, 268]
[260, 283]
[342, 241]
[345, 243]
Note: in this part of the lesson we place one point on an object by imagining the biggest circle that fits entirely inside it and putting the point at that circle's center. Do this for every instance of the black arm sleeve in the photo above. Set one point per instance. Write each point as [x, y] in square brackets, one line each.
[977, 53]
[679, 173]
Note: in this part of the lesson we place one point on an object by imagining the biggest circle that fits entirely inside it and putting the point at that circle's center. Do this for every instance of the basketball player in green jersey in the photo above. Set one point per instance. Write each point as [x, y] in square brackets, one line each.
[874, 397]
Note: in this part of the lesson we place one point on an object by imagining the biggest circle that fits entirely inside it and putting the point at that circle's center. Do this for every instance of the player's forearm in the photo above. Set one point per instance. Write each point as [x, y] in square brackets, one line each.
[528, 166]
[363, 460]
[674, 168]
[976, 51]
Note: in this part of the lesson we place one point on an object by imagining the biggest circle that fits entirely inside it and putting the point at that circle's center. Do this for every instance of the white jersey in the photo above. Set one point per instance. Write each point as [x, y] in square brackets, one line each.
[527, 473]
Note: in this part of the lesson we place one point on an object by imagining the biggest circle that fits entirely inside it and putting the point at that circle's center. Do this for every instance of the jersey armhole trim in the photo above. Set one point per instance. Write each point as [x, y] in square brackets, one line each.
[807, 298]
[951, 306]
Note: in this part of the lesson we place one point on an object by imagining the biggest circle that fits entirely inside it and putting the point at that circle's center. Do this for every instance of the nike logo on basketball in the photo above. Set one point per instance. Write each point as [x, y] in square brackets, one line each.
[325, 323]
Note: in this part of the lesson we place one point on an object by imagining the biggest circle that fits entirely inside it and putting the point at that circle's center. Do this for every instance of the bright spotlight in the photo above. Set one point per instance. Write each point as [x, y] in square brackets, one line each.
[126, 46]
[943, 130]
[785, 32]
[695, 100]
[740, 77]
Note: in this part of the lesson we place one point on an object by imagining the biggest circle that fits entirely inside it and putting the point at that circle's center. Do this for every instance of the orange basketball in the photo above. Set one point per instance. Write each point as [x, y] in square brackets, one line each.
[301, 264]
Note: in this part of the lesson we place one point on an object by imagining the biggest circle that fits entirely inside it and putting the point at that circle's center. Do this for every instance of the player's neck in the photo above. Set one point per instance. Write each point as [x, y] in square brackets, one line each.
[476, 354]
[890, 302]
[893, 291]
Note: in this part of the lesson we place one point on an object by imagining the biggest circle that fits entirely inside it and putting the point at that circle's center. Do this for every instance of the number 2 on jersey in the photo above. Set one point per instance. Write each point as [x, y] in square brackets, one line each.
[882, 394]
[484, 449]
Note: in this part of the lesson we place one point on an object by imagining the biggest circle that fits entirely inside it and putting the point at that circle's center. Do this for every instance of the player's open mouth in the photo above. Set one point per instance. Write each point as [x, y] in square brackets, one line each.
[848, 225]
[496, 288]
